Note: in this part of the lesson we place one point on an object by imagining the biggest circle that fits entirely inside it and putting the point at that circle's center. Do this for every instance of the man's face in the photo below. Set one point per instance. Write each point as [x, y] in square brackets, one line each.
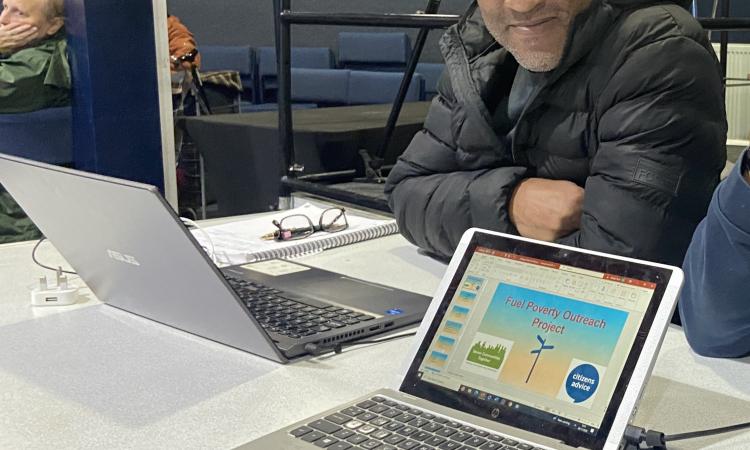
[534, 31]
[32, 12]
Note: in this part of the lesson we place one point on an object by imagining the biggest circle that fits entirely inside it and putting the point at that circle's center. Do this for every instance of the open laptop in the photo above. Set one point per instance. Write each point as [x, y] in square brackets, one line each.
[126, 243]
[526, 345]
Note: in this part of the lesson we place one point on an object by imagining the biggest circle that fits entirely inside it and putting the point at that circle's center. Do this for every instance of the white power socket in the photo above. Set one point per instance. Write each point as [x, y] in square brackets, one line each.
[56, 295]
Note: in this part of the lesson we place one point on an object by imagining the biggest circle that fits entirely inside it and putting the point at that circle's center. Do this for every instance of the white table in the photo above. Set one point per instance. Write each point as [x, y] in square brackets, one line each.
[91, 376]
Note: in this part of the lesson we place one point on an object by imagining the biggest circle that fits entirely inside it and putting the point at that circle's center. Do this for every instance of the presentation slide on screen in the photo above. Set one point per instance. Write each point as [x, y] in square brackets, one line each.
[554, 346]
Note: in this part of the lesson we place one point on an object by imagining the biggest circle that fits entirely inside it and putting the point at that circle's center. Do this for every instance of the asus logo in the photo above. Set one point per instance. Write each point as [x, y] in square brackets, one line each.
[127, 259]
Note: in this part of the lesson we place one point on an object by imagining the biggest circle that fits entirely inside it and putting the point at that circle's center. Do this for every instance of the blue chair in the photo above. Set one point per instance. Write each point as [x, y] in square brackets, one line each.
[374, 51]
[431, 73]
[367, 87]
[266, 74]
[301, 58]
[325, 87]
[312, 58]
[240, 58]
[43, 135]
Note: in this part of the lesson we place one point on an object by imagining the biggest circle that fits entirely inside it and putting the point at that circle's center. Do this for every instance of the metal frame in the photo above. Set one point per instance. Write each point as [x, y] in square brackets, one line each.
[725, 23]
[285, 18]
[723, 41]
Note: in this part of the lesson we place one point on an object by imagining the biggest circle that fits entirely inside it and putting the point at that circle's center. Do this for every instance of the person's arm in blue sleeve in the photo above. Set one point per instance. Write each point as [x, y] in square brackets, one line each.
[715, 300]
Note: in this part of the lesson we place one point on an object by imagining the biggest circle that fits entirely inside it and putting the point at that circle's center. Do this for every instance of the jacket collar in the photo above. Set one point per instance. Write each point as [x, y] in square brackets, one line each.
[585, 33]
[474, 58]
[476, 62]
[593, 22]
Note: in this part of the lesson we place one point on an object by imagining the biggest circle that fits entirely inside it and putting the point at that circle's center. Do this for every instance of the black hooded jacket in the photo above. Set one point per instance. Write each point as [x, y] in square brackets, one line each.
[634, 113]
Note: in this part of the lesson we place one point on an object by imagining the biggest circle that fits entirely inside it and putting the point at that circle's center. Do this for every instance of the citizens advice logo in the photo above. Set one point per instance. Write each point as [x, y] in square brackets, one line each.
[121, 257]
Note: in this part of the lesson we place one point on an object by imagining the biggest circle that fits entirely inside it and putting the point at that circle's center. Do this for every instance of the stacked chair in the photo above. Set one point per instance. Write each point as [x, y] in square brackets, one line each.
[302, 58]
[368, 70]
[374, 51]
[339, 87]
[239, 58]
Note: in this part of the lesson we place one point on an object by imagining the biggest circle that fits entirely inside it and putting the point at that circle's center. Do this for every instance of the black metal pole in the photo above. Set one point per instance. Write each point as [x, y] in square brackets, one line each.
[434, 21]
[432, 8]
[276, 23]
[284, 73]
[372, 20]
[728, 24]
[724, 42]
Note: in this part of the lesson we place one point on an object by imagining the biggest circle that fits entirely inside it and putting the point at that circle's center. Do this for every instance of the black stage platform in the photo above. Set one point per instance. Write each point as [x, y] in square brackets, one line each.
[244, 163]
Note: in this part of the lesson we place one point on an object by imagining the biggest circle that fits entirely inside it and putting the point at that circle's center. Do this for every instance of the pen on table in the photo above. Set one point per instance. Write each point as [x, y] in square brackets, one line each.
[287, 235]
[270, 236]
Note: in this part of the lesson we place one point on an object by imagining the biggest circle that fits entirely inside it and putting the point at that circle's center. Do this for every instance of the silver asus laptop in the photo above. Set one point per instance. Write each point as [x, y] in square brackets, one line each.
[526, 345]
[129, 247]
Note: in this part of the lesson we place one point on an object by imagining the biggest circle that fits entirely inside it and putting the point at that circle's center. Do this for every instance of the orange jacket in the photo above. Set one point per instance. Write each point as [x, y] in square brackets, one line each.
[181, 40]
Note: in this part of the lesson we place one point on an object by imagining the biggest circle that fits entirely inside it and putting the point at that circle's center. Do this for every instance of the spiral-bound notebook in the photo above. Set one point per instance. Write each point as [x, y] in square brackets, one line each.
[240, 242]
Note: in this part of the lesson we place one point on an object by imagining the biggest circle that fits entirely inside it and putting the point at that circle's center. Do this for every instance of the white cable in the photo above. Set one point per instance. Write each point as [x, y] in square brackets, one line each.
[212, 251]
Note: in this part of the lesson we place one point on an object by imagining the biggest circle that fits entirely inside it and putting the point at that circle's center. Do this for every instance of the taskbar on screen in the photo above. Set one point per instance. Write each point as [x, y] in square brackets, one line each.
[502, 407]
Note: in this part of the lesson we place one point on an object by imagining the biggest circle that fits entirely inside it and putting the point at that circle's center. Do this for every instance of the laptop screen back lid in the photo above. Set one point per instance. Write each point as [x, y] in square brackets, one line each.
[125, 242]
[553, 340]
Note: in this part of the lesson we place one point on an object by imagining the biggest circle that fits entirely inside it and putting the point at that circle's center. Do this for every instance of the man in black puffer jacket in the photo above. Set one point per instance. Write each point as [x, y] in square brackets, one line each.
[593, 123]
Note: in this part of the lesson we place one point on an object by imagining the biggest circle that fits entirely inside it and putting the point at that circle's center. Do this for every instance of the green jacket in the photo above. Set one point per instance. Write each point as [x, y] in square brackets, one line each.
[14, 224]
[30, 79]
[36, 77]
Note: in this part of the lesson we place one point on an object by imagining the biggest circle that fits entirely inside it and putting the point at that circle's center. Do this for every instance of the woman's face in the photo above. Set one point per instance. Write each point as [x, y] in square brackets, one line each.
[32, 12]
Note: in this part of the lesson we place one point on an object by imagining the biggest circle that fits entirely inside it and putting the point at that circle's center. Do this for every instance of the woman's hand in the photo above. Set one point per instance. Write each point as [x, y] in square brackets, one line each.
[16, 36]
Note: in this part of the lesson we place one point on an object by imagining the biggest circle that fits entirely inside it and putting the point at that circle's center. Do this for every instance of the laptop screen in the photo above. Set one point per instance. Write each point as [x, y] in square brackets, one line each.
[537, 337]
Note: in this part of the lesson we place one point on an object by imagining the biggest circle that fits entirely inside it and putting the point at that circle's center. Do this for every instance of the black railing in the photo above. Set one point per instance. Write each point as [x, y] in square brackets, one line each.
[285, 18]
[426, 20]
[725, 23]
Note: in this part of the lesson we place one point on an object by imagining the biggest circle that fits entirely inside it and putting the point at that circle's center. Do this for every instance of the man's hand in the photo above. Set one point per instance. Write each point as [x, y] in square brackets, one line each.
[546, 209]
[16, 36]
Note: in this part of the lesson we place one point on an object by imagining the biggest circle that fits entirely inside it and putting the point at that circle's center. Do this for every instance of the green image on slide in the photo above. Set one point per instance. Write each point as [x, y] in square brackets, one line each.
[488, 356]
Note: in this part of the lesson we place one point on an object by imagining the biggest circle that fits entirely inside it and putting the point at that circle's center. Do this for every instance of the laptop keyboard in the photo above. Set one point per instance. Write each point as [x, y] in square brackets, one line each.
[383, 424]
[278, 313]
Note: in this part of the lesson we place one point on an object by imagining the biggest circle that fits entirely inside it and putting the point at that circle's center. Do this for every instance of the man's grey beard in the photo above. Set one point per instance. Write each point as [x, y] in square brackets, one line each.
[536, 61]
[532, 61]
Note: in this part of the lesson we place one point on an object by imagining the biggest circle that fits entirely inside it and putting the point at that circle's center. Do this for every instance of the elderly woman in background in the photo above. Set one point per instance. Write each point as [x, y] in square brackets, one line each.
[34, 70]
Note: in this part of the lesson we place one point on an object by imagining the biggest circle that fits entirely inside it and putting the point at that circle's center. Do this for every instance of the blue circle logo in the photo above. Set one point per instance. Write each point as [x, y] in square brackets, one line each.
[582, 382]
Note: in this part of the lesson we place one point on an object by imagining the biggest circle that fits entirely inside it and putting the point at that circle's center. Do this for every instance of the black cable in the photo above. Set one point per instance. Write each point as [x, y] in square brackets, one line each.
[709, 432]
[635, 436]
[33, 257]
